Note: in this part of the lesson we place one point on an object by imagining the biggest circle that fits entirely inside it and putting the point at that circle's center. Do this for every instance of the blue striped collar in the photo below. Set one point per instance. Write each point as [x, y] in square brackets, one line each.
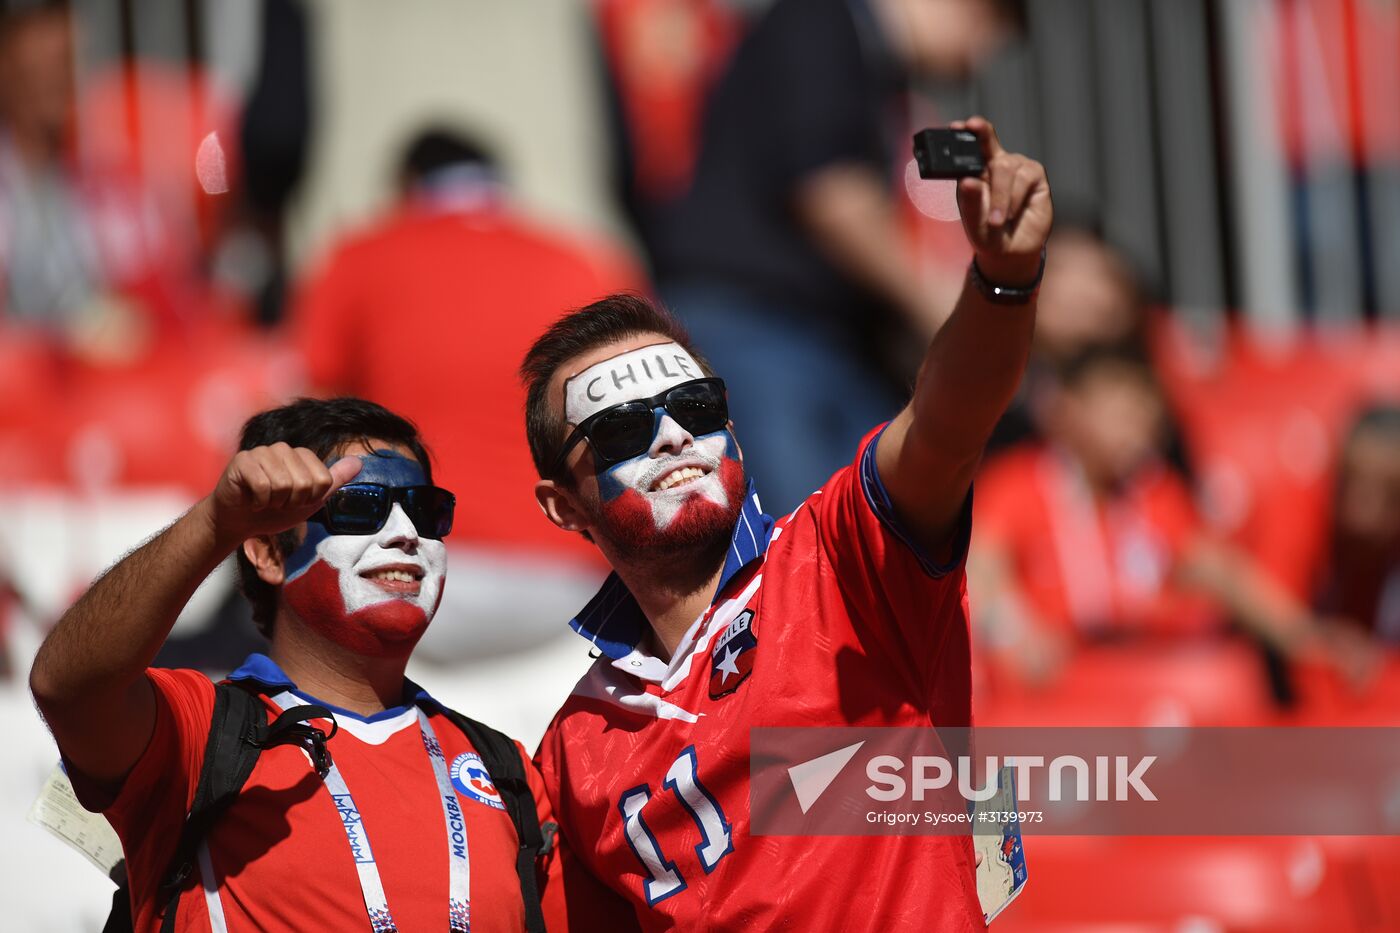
[613, 621]
[266, 672]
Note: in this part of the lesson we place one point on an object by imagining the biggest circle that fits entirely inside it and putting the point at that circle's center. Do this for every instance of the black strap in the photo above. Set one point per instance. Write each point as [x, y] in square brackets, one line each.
[502, 759]
[238, 733]
[119, 918]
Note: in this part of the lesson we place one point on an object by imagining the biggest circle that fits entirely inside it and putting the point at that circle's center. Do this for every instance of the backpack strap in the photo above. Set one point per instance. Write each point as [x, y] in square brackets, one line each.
[502, 759]
[238, 733]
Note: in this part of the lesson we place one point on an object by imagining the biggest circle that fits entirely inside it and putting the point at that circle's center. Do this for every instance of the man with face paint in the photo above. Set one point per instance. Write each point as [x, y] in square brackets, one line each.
[851, 611]
[641, 502]
[330, 508]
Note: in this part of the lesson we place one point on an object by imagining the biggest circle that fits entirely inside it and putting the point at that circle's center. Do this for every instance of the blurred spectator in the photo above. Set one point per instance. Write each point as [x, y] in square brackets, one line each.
[84, 253]
[662, 57]
[274, 139]
[326, 128]
[1091, 297]
[1361, 576]
[1092, 535]
[428, 312]
[788, 245]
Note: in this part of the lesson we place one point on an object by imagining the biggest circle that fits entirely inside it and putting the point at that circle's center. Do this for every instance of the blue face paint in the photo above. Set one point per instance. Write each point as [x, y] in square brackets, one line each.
[390, 468]
[383, 467]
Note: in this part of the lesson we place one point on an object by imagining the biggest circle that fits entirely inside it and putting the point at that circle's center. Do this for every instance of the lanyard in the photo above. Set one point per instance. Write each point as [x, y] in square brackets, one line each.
[459, 878]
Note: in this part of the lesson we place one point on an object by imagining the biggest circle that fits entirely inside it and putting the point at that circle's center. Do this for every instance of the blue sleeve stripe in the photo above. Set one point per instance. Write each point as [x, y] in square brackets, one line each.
[878, 498]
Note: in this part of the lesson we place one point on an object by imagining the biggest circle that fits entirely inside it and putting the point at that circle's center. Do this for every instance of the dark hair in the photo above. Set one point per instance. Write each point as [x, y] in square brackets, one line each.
[323, 426]
[438, 147]
[1016, 14]
[605, 321]
[1073, 371]
[1377, 418]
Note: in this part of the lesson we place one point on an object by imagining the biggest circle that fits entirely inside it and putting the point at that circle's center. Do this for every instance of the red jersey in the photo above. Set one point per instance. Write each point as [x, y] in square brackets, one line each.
[1093, 566]
[828, 617]
[280, 860]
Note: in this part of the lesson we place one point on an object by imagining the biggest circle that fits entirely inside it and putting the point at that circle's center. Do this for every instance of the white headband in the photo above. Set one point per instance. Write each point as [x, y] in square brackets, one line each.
[635, 374]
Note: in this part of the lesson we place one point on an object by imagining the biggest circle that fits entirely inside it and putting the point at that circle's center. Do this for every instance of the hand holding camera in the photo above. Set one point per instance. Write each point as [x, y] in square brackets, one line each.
[1003, 197]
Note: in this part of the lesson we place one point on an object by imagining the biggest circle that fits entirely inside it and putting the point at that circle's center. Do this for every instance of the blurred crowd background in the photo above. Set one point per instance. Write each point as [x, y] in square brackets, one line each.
[1191, 516]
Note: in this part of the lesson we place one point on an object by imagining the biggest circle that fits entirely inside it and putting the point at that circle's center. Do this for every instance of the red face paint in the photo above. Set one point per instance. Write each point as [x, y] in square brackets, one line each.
[384, 629]
[629, 521]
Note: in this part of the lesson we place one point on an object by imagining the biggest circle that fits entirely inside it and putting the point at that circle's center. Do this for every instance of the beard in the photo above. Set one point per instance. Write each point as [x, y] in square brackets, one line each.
[701, 523]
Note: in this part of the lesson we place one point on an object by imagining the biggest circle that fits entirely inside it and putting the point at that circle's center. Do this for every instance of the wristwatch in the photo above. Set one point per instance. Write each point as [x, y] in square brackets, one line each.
[1006, 295]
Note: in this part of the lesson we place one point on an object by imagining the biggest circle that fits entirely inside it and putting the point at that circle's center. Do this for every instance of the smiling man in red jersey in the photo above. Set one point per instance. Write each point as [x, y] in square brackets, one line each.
[331, 509]
[718, 619]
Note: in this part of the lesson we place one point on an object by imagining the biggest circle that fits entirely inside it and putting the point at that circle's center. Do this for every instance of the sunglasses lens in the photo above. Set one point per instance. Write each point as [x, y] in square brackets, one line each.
[430, 509]
[357, 510]
[621, 433]
[699, 407]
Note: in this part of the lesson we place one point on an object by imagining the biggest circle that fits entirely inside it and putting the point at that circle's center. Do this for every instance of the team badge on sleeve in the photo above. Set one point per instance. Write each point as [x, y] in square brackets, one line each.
[731, 658]
[471, 779]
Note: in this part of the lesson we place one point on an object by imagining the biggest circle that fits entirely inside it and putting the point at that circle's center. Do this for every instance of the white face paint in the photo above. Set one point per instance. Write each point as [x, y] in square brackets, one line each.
[667, 481]
[677, 468]
[362, 561]
[635, 374]
[373, 593]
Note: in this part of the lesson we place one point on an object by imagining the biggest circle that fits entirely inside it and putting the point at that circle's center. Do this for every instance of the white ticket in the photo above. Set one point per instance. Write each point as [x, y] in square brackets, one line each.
[57, 809]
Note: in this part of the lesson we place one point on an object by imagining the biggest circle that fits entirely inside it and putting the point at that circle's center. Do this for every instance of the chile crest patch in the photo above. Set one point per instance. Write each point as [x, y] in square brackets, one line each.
[471, 779]
[731, 658]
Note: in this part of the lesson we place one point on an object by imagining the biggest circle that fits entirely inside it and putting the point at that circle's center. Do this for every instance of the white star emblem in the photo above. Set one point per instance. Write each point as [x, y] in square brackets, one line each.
[727, 665]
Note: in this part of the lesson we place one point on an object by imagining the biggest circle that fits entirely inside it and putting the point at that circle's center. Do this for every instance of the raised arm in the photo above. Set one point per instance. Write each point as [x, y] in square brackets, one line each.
[88, 678]
[929, 453]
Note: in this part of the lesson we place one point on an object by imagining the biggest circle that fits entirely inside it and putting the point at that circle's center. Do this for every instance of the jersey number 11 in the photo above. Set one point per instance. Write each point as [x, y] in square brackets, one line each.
[716, 839]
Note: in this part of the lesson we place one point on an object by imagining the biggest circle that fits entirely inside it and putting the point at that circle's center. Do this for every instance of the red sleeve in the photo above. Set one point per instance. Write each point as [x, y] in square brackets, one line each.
[172, 758]
[150, 807]
[914, 606]
[324, 318]
[573, 898]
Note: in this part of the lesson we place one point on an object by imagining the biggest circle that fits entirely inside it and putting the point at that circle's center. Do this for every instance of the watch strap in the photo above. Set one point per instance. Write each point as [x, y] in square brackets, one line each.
[1003, 294]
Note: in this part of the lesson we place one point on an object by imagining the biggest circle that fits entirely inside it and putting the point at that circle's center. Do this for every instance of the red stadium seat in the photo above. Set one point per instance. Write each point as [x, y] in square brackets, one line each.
[170, 420]
[1207, 683]
[1275, 884]
[1262, 423]
[32, 409]
[1325, 699]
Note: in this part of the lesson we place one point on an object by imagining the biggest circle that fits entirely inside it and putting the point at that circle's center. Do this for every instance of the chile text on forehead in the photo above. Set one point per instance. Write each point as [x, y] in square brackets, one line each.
[639, 373]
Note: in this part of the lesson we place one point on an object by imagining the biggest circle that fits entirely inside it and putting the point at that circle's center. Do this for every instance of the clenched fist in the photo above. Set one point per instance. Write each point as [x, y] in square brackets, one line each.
[267, 490]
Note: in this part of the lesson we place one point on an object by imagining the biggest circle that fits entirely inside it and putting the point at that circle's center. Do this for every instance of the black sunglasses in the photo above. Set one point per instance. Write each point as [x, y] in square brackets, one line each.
[625, 430]
[363, 508]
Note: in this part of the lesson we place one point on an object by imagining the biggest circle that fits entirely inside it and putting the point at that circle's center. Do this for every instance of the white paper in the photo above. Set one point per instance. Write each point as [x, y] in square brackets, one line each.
[57, 809]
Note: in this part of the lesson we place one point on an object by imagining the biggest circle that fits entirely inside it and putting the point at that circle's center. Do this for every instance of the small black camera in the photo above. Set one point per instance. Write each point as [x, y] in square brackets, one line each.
[947, 153]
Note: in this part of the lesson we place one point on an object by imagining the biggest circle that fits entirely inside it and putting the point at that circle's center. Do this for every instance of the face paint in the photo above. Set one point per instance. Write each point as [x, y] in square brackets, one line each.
[634, 374]
[684, 491]
[373, 594]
